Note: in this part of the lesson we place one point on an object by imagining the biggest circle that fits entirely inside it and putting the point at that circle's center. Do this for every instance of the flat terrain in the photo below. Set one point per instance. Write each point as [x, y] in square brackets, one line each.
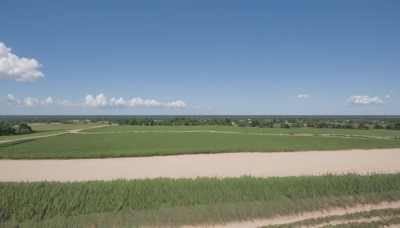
[204, 165]
[289, 131]
[217, 162]
[69, 146]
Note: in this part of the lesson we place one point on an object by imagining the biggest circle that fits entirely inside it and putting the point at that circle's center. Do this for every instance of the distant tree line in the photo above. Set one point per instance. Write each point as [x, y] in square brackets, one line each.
[362, 124]
[339, 122]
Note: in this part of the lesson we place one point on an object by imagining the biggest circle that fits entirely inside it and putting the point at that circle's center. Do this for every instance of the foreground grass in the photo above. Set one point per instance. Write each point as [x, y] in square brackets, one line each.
[325, 131]
[49, 129]
[151, 144]
[184, 201]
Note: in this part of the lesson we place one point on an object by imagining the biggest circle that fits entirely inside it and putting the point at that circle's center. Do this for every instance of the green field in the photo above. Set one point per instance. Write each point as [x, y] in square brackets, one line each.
[324, 131]
[49, 129]
[151, 144]
[185, 201]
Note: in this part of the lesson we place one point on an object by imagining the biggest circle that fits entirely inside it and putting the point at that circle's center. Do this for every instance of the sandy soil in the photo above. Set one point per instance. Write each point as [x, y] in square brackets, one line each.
[317, 214]
[204, 165]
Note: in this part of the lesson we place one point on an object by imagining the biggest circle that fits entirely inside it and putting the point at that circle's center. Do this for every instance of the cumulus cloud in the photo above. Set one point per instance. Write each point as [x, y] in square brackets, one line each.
[387, 96]
[101, 101]
[16, 68]
[300, 96]
[363, 100]
[176, 104]
[49, 100]
[11, 100]
[31, 102]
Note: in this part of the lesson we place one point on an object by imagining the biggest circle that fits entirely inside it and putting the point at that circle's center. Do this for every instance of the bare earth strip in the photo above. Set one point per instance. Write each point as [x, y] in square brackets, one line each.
[205, 165]
[316, 214]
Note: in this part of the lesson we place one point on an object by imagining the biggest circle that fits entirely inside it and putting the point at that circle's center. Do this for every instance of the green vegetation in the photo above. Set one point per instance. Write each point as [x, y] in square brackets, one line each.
[387, 217]
[339, 122]
[313, 131]
[185, 201]
[151, 144]
[18, 129]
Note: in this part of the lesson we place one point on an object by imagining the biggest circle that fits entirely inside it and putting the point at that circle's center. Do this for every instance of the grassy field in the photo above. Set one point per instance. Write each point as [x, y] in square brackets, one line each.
[124, 128]
[49, 129]
[151, 144]
[186, 201]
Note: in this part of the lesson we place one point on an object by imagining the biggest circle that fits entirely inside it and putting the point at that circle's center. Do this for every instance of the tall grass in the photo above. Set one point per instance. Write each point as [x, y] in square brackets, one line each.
[46, 200]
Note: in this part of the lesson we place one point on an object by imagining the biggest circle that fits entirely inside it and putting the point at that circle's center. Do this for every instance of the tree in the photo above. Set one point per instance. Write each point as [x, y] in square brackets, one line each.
[6, 129]
[22, 128]
[389, 127]
[378, 126]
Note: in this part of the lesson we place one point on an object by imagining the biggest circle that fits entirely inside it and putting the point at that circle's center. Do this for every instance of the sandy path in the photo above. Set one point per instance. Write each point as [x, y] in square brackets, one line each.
[316, 214]
[204, 165]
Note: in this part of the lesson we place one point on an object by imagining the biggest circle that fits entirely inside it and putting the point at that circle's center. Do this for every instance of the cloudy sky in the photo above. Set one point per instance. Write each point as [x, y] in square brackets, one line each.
[200, 57]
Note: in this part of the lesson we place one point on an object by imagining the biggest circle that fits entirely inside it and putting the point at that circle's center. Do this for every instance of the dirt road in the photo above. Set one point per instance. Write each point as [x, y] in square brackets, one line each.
[204, 165]
[286, 219]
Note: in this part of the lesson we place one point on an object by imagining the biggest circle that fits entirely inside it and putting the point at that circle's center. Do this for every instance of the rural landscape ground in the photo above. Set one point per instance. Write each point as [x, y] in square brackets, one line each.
[106, 175]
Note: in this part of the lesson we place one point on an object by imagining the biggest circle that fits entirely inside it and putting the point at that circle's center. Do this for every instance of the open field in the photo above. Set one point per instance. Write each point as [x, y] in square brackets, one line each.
[133, 152]
[289, 131]
[204, 165]
[186, 201]
[151, 144]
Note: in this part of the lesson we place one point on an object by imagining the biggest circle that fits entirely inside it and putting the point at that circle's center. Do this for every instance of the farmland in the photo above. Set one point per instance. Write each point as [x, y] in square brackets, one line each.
[130, 144]
[203, 199]
[289, 131]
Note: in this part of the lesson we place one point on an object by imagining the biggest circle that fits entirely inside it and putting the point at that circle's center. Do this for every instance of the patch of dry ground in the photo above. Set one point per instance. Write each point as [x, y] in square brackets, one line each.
[205, 165]
[315, 214]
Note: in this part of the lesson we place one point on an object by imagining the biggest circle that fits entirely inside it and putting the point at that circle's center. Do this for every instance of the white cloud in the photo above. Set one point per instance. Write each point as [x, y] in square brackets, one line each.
[99, 101]
[49, 100]
[11, 100]
[387, 96]
[137, 102]
[363, 100]
[16, 68]
[65, 103]
[301, 96]
[31, 102]
[176, 104]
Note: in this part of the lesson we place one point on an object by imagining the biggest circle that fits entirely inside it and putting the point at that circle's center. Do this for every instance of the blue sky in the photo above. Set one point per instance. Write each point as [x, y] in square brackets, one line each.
[200, 57]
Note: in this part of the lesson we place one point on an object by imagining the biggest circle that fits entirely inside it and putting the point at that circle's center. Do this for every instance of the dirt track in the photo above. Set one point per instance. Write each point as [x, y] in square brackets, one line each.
[286, 219]
[204, 165]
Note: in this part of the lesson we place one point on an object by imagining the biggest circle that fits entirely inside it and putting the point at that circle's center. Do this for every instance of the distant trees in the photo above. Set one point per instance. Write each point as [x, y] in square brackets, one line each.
[19, 129]
[243, 121]
[6, 129]
[22, 128]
